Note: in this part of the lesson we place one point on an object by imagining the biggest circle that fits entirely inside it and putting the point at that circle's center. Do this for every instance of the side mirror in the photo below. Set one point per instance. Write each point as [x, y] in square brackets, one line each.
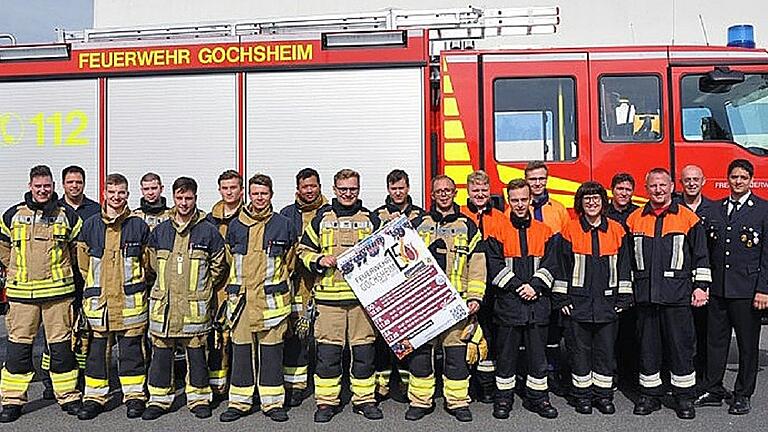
[720, 80]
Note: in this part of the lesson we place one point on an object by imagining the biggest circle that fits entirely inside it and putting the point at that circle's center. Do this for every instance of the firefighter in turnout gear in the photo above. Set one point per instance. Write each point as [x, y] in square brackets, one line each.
[187, 253]
[593, 285]
[309, 200]
[223, 212]
[737, 229]
[153, 208]
[553, 214]
[455, 242]
[111, 255]
[37, 246]
[262, 245]
[521, 262]
[398, 202]
[341, 319]
[488, 216]
[671, 274]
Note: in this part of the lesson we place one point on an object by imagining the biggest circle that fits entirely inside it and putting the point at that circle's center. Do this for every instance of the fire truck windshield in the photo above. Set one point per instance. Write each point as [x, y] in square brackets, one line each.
[733, 111]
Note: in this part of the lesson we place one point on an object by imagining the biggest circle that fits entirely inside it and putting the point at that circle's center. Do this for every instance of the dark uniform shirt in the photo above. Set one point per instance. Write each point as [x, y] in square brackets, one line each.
[737, 246]
[86, 209]
[620, 216]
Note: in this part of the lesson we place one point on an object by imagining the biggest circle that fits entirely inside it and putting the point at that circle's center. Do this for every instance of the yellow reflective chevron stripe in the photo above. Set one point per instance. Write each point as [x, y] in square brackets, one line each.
[161, 263]
[326, 241]
[75, 230]
[4, 229]
[310, 257]
[310, 232]
[477, 288]
[194, 273]
[22, 273]
[474, 242]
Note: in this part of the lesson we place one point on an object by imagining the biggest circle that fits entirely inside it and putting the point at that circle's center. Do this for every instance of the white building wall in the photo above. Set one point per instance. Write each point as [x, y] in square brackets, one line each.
[583, 22]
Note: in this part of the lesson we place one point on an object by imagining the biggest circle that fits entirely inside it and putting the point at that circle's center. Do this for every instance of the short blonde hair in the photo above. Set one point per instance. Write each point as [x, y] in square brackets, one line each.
[479, 176]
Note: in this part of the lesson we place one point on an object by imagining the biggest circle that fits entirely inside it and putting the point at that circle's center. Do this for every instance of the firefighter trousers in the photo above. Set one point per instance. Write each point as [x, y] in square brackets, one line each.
[739, 315]
[591, 352]
[22, 322]
[484, 373]
[666, 330]
[296, 362]
[386, 363]
[508, 341]
[219, 353]
[131, 365]
[335, 327]
[265, 350]
[161, 384]
[421, 388]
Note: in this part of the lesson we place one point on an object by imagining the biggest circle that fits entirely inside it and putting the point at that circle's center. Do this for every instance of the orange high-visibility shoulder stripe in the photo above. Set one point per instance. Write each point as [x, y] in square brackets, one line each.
[537, 236]
[555, 215]
[492, 221]
[581, 242]
[680, 222]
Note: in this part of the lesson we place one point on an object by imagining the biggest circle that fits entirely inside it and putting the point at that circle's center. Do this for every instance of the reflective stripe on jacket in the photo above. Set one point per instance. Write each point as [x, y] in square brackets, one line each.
[112, 258]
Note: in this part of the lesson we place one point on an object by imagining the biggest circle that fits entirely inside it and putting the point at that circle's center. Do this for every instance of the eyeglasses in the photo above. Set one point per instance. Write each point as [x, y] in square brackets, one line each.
[347, 190]
[537, 179]
[592, 198]
[444, 191]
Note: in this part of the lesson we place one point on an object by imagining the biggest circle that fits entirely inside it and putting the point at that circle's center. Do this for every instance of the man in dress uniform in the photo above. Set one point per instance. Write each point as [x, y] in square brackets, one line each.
[736, 230]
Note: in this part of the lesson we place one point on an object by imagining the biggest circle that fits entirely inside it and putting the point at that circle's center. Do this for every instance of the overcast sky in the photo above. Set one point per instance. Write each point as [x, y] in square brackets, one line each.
[37, 20]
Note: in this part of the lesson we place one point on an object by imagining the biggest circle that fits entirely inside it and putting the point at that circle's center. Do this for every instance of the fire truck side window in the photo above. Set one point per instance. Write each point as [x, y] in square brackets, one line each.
[630, 108]
[534, 119]
[723, 110]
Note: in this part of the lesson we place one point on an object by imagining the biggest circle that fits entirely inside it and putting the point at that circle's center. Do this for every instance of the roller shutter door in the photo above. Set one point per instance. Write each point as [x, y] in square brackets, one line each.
[370, 120]
[54, 123]
[173, 126]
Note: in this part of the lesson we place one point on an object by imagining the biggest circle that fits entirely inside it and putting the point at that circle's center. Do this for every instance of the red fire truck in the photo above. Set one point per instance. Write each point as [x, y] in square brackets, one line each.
[374, 92]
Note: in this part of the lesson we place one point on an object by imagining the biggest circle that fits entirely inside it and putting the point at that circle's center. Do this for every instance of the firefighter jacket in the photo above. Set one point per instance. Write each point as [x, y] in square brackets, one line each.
[670, 255]
[335, 229]
[262, 245]
[595, 271]
[738, 250]
[189, 261]
[389, 211]
[456, 243]
[217, 218]
[487, 219]
[153, 213]
[522, 252]
[550, 212]
[112, 257]
[37, 247]
[300, 214]
[221, 222]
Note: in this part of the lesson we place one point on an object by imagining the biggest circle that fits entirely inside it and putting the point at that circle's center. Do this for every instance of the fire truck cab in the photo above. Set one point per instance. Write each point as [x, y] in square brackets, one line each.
[590, 113]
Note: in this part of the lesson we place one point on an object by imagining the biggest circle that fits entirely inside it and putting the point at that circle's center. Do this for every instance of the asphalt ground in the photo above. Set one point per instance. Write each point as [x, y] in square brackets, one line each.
[44, 415]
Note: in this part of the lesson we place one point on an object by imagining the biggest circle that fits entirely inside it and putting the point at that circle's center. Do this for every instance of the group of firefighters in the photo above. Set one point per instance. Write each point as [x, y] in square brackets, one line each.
[247, 295]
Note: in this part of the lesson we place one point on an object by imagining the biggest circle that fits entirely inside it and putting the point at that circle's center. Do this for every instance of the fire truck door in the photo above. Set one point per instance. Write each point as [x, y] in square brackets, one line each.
[534, 108]
[629, 113]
